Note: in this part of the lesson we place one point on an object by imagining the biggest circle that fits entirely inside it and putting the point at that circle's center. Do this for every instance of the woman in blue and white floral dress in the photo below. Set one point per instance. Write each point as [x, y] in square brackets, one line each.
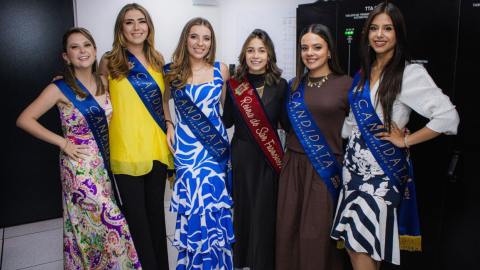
[204, 228]
[367, 216]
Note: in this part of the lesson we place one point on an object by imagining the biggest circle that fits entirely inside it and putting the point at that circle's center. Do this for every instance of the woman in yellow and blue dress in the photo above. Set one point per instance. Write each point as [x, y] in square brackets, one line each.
[139, 155]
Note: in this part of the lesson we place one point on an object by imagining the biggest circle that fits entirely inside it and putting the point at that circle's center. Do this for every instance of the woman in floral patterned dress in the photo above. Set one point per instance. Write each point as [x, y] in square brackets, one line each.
[369, 215]
[96, 235]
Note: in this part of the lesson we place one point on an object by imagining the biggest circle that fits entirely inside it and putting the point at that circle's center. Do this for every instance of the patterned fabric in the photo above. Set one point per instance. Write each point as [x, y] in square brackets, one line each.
[204, 227]
[367, 216]
[95, 233]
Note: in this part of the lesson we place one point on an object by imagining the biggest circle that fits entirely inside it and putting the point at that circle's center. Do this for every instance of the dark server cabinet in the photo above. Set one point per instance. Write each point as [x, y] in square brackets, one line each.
[461, 222]
[30, 187]
[443, 36]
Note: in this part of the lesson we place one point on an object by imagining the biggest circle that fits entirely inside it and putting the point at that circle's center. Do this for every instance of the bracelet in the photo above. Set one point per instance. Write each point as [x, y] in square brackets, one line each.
[168, 121]
[63, 149]
[405, 141]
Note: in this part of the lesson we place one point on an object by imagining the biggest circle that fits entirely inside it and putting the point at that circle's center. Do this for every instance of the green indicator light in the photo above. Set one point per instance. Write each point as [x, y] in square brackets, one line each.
[346, 33]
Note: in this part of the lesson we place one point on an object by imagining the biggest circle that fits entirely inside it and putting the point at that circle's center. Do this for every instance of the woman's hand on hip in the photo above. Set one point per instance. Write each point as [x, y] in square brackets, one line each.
[395, 136]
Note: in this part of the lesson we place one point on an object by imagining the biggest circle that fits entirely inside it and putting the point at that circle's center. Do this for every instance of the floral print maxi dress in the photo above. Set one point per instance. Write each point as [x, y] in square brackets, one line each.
[95, 232]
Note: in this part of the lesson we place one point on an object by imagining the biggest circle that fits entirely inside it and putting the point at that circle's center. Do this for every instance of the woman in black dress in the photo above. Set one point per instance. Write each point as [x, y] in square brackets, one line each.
[256, 153]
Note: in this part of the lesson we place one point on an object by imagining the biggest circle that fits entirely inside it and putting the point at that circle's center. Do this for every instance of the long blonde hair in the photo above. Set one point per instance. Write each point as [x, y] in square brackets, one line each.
[117, 57]
[69, 72]
[180, 69]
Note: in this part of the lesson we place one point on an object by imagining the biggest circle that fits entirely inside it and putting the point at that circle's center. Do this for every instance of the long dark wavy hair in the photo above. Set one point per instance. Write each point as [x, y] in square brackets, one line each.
[118, 58]
[392, 73]
[273, 73]
[324, 33]
[180, 69]
[69, 72]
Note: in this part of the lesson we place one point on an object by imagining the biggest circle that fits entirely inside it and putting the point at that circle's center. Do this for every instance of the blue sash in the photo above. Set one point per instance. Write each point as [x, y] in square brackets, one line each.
[147, 89]
[204, 131]
[393, 162]
[313, 142]
[96, 119]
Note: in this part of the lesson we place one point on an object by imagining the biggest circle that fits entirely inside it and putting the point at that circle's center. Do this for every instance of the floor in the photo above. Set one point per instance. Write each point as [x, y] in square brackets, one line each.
[38, 246]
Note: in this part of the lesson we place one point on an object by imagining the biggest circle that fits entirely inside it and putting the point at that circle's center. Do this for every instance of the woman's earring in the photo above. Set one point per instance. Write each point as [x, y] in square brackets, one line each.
[267, 65]
[329, 57]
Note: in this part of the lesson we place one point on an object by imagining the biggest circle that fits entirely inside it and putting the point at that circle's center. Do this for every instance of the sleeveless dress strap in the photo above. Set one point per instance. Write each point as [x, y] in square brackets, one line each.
[217, 74]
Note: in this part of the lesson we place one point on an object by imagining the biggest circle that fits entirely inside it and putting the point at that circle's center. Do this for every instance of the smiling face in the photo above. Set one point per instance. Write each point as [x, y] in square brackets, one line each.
[256, 56]
[315, 54]
[80, 51]
[135, 27]
[381, 35]
[199, 41]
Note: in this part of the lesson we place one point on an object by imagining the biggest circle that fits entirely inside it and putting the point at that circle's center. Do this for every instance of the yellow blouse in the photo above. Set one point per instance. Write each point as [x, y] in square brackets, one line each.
[135, 138]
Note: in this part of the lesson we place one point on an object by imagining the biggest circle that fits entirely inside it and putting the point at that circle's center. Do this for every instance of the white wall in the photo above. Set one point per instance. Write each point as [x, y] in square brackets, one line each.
[228, 22]
[169, 17]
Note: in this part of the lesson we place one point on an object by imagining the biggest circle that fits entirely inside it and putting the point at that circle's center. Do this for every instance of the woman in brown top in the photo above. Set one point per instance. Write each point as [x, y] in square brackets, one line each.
[306, 208]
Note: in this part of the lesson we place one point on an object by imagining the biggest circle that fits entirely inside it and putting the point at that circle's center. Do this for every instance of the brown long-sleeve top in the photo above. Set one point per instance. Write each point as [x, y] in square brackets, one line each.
[328, 105]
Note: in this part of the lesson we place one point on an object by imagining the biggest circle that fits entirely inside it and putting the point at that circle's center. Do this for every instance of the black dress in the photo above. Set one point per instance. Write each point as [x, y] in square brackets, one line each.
[255, 185]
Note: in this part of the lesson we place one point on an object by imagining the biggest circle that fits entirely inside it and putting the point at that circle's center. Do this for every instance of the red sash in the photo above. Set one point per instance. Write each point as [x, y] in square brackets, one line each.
[259, 126]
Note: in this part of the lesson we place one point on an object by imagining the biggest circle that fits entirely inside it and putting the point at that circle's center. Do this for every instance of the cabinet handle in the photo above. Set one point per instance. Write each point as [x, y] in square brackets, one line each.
[453, 164]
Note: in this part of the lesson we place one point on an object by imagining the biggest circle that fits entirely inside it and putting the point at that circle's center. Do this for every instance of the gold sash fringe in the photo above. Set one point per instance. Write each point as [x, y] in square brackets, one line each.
[171, 179]
[340, 244]
[407, 242]
[410, 243]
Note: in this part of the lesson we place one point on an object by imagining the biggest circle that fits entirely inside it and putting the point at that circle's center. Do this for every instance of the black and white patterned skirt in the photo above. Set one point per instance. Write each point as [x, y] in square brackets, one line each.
[366, 216]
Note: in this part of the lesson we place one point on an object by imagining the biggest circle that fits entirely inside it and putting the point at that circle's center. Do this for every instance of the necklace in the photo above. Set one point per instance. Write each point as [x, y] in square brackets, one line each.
[201, 73]
[199, 68]
[319, 83]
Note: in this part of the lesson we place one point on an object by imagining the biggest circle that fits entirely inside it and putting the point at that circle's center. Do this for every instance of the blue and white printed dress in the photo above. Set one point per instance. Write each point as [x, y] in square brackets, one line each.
[204, 228]
[366, 215]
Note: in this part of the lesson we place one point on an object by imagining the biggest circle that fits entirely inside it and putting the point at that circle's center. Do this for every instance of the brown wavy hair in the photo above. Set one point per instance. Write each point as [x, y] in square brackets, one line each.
[69, 72]
[273, 73]
[333, 63]
[392, 74]
[117, 57]
[180, 69]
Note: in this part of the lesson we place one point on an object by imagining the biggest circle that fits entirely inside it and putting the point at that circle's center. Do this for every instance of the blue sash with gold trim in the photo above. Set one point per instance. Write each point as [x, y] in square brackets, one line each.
[204, 131]
[147, 89]
[313, 142]
[96, 119]
[393, 162]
